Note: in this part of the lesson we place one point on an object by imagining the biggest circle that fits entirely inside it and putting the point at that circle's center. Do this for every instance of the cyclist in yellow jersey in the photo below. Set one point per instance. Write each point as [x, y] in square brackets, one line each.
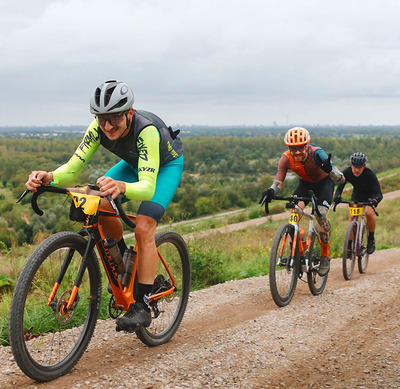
[150, 170]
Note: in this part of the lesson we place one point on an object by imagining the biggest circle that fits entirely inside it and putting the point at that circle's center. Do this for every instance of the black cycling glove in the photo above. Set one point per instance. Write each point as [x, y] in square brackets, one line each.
[325, 164]
[266, 196]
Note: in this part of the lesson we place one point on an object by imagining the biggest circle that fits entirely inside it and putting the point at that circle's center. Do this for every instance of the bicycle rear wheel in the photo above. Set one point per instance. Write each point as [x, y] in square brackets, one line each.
[283, 272]
[316, 283]
[349, 252]
[48, 340]
[363, 256]
[167, 312]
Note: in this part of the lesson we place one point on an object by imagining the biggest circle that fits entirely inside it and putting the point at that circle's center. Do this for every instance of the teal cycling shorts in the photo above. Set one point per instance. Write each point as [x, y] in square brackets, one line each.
[168, 178]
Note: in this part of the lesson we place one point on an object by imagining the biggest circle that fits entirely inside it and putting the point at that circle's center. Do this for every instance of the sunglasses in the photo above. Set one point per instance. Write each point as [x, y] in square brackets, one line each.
[114, 118]
[297, 149]
[358, 166]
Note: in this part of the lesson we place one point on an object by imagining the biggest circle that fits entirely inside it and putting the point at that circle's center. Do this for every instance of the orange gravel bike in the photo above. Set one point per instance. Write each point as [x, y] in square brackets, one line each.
[355, 239]
[293, 254]
[56, 300]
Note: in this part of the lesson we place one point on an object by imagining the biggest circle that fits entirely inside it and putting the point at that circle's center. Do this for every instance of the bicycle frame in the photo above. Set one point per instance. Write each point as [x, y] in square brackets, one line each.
[294, 220]
[93, 230]
[356, 212]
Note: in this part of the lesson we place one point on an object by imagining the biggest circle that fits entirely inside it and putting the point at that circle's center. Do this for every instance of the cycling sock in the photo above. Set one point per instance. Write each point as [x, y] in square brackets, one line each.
[325, 250]
[144, 291]
[122, 246]
[371, 235]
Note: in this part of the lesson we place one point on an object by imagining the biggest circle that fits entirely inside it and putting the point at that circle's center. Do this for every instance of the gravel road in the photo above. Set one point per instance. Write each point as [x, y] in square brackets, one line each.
[234, 336]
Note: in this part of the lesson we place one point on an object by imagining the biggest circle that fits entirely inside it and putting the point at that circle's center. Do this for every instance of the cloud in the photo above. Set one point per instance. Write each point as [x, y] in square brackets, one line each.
[211, 56]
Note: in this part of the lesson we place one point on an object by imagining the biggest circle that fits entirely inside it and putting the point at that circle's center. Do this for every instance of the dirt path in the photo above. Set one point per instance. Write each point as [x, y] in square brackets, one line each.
[233, 336]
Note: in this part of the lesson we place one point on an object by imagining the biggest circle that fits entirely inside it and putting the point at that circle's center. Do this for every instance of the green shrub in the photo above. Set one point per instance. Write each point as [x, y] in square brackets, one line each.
[207, 267]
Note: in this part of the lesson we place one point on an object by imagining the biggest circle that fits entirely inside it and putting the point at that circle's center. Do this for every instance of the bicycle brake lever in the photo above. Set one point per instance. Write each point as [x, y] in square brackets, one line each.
[114, 207]
[266, 208]
[26, 191]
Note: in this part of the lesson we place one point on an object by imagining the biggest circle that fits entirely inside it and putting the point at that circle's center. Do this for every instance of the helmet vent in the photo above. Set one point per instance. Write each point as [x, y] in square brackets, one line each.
[121, 103]
[108, 94]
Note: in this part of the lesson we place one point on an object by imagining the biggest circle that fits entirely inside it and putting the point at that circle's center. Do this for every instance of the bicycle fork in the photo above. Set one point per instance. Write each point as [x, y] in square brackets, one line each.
[68, 305]
[293, 247]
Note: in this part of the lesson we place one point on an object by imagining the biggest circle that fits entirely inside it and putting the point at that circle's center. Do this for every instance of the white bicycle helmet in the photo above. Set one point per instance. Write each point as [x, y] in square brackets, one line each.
[111, 97]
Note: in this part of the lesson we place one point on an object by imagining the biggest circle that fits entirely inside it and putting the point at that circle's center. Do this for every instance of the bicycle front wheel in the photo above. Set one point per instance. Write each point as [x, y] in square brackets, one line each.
[349, 252]
[283, 272]
[363, 255]
[47, 339]
[167, 312]
[316, 283]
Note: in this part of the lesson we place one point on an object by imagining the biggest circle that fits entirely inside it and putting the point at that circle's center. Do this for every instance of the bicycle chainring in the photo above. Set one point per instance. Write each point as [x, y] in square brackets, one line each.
[112, 310]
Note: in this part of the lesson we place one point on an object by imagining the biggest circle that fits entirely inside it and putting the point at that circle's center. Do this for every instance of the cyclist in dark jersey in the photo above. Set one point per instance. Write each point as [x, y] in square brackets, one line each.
[317, 173]
[366, 187]
[150, 170]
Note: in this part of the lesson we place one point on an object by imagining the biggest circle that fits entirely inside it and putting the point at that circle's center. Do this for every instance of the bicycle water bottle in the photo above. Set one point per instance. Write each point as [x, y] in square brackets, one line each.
[113, 249]
[303, 238]
[129, 261]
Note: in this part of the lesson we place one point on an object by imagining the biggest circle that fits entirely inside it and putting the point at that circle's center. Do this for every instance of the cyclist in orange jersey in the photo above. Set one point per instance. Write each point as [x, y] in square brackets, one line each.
[317, 173]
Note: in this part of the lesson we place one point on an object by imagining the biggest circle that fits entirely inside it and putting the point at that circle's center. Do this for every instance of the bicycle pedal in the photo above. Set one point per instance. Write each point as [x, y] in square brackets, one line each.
[128, 331]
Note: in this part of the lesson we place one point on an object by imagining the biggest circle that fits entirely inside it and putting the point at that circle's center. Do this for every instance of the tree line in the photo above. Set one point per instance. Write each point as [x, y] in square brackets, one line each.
[221, 173]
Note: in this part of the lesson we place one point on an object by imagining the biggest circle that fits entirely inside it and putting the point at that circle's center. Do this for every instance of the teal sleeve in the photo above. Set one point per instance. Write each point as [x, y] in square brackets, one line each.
[148, 144]
[70, 170]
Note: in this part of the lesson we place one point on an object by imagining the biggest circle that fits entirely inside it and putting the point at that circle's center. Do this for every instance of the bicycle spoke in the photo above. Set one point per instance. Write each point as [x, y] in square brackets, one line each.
[170, 290]
[48, 339]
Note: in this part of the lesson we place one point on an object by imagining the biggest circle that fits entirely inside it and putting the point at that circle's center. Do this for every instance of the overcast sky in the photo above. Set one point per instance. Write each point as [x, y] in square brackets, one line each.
[222, 62]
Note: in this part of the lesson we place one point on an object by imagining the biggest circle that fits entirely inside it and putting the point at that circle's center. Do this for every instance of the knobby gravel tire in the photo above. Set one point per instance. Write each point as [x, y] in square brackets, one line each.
[348, 263]
[316, 283]
[364, 257]
[283, 275]
[47, 343]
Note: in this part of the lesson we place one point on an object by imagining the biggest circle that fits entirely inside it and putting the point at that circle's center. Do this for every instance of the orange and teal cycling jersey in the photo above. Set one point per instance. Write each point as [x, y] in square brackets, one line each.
[148, 145]
[309, 170]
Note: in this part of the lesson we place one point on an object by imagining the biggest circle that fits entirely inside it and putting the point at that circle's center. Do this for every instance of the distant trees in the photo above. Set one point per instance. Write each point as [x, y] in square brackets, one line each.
[219, 174]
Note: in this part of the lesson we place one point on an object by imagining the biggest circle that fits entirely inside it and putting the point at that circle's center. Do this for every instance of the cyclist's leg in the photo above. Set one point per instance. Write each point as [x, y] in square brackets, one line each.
[112, 227]
[371, 224]
[148, 216]
[324, 192]
[301, 190]
[150, 213]
[371, 220]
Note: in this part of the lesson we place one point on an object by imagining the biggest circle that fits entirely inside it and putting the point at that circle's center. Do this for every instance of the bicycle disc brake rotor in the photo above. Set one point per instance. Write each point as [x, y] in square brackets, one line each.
[63, 314]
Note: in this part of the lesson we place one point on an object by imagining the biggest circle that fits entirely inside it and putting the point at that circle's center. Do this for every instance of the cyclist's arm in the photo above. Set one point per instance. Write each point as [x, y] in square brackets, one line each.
[335, 174]
[283, 167]
[376, 188]
[70, 170]
[339, 190]
[148, 144]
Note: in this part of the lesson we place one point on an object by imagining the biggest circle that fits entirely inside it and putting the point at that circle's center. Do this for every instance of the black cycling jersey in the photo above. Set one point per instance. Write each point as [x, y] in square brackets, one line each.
[127, 147]
[366, 186]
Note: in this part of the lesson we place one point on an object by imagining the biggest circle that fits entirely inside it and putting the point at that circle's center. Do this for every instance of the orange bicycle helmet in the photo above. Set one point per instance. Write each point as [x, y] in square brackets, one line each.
[297, 136]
